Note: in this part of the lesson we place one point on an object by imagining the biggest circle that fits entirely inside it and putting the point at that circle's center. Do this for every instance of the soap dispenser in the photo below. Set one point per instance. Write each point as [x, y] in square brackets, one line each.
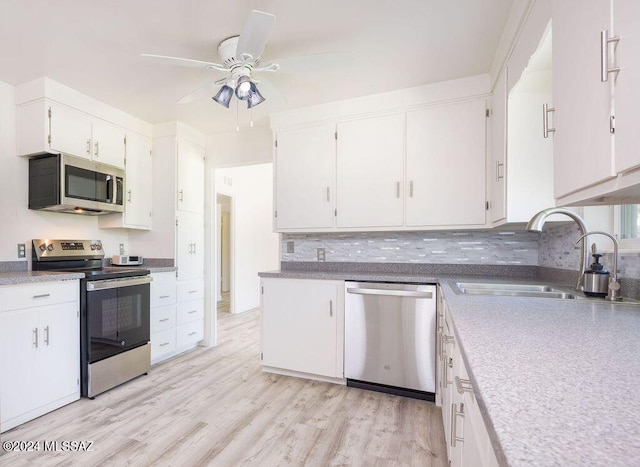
[596, 278]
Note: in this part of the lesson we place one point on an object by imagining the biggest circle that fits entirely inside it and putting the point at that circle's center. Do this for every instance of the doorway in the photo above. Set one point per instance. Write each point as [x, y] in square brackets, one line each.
[224, 254]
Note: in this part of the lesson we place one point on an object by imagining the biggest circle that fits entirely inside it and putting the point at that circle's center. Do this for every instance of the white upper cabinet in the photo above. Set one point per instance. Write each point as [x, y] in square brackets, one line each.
[497, 157]
[370, 172]
[582, 139]
[305, 178]
[191, 162]
[47, 126]
[446, 165]
[626, 16]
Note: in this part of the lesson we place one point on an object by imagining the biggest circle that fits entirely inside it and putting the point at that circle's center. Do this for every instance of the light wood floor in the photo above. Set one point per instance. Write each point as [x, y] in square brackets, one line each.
[216, 407]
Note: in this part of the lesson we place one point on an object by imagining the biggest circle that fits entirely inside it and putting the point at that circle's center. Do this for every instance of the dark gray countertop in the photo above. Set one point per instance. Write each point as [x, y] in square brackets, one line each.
[556, 380]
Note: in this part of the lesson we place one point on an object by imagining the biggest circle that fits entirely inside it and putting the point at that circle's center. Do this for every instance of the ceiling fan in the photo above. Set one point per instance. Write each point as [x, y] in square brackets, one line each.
[240, 57]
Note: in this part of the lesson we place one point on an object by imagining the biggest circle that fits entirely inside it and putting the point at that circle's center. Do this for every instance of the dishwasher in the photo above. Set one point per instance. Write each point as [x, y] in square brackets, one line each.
[390, 335]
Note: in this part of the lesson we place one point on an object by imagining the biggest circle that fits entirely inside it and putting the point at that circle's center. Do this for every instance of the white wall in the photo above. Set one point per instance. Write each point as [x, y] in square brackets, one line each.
[19, 224]
[255, 246]
[248, 146]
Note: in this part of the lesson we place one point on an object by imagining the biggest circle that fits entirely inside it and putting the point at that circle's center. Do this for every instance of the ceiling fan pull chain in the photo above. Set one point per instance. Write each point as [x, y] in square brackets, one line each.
[251, 116]
[237, 116]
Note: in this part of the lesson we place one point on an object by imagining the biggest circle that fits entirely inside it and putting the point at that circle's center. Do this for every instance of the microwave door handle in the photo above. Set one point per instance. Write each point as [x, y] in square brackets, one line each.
[110, 189]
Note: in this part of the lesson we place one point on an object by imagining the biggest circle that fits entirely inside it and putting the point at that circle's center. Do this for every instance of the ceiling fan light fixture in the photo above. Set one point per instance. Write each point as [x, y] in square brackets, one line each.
[255, 98]
[244, 88]
[224, 95]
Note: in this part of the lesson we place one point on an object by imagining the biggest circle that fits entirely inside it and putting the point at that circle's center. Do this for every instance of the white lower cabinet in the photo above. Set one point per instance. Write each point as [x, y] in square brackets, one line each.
[163, 315]
[303, 327]
[39, 350]
[468, 442]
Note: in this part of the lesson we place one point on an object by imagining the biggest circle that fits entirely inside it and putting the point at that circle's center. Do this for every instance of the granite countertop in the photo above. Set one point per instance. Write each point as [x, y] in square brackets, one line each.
[25, 277]
[556, 380]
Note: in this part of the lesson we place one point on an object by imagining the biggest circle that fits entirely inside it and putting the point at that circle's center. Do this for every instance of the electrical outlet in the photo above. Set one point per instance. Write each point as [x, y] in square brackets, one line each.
[321, 256]
[290, 248]
[22, 250]
[122, 248]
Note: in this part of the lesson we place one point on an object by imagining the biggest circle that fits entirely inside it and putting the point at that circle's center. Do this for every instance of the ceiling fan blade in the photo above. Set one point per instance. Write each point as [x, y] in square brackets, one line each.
[314, 62]
[177, 61]
[208, 88]
[255, 34]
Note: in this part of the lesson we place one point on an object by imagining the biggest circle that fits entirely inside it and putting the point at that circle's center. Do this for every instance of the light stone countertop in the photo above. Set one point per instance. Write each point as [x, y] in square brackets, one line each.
[556, 380]
[26, 277]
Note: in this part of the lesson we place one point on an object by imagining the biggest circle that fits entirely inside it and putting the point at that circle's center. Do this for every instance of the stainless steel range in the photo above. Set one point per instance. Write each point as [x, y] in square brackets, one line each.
[114, 312]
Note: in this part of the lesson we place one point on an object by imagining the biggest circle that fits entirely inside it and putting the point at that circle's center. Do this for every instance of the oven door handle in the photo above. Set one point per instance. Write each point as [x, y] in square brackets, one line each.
[118, 283]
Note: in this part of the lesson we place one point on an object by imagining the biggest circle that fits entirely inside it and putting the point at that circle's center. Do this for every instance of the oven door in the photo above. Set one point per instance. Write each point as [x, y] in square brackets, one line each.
[116, 316]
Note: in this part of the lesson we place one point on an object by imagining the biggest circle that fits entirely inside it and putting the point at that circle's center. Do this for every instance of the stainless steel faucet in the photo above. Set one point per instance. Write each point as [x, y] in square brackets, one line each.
[614, 285]
[537, 222]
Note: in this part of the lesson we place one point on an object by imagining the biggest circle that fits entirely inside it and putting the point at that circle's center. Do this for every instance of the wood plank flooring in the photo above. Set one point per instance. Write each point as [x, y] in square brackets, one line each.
[216, 407]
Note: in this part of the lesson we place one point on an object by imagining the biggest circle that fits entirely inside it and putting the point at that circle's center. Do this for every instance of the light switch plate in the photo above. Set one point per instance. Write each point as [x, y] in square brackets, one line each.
[122, 248]
[290, 247]
[22, 250]
[321, 255]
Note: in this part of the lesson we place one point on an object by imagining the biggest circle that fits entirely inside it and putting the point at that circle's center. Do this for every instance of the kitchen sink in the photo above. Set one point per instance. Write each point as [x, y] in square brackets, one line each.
[513, 290]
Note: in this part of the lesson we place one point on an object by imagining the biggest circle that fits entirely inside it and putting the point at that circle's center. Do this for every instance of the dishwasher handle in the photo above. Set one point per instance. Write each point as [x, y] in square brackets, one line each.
[394, 293]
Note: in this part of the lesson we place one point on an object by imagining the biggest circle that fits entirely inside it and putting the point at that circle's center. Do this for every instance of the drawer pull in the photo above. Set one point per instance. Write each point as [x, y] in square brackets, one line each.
[35, 337]
[163, 320]
[44, 295]
[193, 291]
[165, 296]
[162, 345]
[193, 311]
[463, 385]
[46, 335]
[192, 333]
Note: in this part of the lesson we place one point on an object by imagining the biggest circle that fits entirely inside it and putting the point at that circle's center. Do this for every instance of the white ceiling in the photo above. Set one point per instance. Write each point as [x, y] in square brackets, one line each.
[93, 46]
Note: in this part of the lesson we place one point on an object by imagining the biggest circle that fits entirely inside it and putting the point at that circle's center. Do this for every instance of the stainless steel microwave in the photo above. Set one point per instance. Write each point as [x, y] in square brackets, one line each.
[63, 183]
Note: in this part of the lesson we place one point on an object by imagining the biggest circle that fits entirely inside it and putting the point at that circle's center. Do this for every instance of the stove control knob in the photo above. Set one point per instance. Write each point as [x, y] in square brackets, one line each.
[50, 247]
[93, 246]
[99, 246]
[43, 247]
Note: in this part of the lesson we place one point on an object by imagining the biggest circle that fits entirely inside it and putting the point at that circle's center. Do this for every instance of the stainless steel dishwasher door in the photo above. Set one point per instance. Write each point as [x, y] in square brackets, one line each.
[390, 334]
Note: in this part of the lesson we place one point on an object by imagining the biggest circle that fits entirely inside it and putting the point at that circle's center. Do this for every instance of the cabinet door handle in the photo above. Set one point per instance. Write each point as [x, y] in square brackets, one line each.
[97, 145]
[164, 296]
[44, 295]
[545, 120]
[499, 165]
[411, 189]
[181, 198]
[331, 308]
[46, 335]
[129, 195]
[397, 189]
[190, 248]
[89, 146]
[164, 320]
[192, 291]
[192, 333]
[454, 417]
[193, 311]
[195, 248]
[35, 337]
[328, 194]
[163, 344]
[463, 385]
[605, 40]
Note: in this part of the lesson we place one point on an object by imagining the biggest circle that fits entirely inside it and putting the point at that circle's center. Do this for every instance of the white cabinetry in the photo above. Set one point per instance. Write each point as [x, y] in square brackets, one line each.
[190, 245]
[163, 315]
[468, 442]
[47, 126]
[39, 350]
[596, 142]
[582, 140]
[370, 172]
[191, 159]
[305, 178]
[446, 165]
[303, 327]
[497, 157]
[138, 187]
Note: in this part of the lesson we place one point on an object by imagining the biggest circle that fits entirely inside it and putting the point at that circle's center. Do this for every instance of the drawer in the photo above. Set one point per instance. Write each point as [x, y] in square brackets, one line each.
[162, 343]
[163, 289]
[189, 333]
[190, 290]
[190, 311]
[163, 317]
[15, 297]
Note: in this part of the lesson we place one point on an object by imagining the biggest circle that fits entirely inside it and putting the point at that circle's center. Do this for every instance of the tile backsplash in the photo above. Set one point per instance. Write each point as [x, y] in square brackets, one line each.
[463, 247]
